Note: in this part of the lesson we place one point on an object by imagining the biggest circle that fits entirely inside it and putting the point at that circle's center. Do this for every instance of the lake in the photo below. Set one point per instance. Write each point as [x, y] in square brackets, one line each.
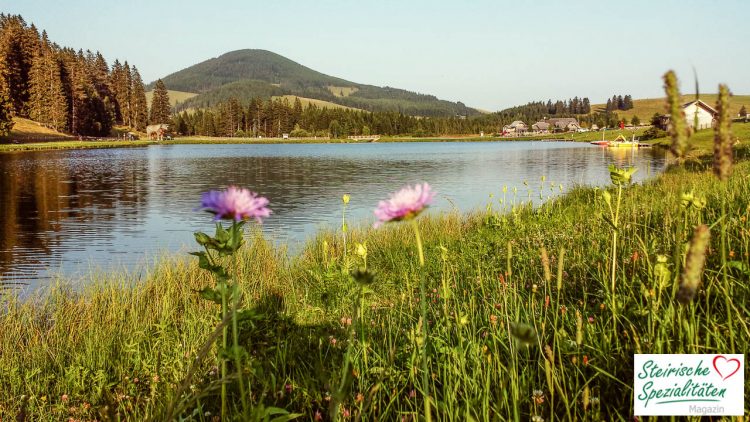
[67, 213]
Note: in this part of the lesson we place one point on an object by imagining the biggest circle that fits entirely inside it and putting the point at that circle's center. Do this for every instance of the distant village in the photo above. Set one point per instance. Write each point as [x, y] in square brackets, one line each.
[698, 114]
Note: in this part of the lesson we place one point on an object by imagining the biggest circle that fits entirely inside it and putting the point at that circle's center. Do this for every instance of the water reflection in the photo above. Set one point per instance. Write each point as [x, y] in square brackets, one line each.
[68, 211]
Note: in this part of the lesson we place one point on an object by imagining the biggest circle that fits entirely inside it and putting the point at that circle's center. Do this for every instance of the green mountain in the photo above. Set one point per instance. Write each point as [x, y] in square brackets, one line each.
[259, 73]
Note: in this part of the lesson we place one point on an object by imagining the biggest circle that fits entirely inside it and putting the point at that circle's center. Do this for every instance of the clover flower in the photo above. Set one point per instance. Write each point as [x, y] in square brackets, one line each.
[405, 204]
[235, 204]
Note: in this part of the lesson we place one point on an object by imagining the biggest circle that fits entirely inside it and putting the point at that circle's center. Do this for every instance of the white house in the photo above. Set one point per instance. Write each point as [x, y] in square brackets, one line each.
[701, 112]
[694, 110]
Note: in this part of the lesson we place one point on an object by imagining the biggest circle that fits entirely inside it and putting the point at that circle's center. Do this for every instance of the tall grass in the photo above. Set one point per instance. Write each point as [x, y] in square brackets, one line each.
[518, 307]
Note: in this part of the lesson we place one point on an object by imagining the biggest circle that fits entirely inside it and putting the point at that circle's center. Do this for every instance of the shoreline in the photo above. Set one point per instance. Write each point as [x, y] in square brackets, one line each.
[97, 144]
[488, 268]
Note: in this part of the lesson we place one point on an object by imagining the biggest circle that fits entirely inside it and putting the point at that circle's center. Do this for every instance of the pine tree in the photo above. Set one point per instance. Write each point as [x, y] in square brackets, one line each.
[138, 101]
[16, 54]
[160, 108]
[586, 105]
[6, 119]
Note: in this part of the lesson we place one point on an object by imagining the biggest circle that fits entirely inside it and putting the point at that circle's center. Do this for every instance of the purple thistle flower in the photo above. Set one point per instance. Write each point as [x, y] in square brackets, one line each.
[235, 204]
[405, 204]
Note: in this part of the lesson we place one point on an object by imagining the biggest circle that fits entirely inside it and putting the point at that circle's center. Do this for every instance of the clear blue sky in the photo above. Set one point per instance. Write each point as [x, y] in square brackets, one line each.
[488, 54]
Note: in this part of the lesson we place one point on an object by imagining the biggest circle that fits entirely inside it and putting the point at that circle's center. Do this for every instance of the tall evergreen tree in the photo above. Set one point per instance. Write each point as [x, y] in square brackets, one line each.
[138, 101]
[160, 107]
[6, 118]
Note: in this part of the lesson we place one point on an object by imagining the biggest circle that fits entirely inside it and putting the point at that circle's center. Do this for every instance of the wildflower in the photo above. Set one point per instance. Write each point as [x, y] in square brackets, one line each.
[690, 200]
[235, 204]
[591, 320]
[360, 398]
[333, 340]
[318, 416]
[585, 360]
[288, 388]
[621, 176]
[493, 319]
[405, 204]
[345, 198]
[537, 418]
[412, 394]
[155, 378]
[538, 397]
[346, 321]
[691, 276]
[64, 398]
[345, 412]
[362, 249]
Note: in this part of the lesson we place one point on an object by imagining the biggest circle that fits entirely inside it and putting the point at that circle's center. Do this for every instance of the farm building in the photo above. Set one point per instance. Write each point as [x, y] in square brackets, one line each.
[541, 127]
[564, 124]
[515, 127]
[695, 111]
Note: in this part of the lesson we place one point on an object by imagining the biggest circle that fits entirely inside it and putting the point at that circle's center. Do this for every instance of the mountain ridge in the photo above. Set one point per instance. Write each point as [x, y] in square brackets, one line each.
[261, 73]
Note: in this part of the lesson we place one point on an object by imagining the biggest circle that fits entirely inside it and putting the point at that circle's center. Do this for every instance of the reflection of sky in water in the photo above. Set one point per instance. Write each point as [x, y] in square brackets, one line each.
[73, 211]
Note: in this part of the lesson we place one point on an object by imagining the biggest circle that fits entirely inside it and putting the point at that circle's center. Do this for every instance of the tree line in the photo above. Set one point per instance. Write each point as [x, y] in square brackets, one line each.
[63, 89]
[619, 102]
[273, 117]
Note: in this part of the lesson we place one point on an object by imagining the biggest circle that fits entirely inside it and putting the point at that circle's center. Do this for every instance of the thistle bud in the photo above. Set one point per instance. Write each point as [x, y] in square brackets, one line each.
[696, 258]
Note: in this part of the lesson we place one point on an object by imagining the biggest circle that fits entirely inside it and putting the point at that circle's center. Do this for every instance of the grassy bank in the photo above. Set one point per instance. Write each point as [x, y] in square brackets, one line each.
[701, 141]
[522, 315]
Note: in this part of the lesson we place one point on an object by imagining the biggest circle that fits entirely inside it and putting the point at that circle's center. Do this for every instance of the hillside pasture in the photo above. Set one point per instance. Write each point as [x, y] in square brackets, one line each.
[645, 108]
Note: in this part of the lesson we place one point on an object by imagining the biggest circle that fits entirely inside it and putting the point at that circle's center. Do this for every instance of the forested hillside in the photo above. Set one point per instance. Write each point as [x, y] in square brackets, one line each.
[63, 89]
[245, 74]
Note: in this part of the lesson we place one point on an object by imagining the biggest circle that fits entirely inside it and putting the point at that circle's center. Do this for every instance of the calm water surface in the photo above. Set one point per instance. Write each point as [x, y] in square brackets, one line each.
[71, 212]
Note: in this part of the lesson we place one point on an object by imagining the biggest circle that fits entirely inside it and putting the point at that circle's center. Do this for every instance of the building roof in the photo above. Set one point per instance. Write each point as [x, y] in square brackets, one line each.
[517, 123]
[563, 121]
[703, 105]
[541, 125]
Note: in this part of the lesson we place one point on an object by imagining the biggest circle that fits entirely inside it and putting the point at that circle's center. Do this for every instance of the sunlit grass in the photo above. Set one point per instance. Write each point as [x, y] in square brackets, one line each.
[518, 328]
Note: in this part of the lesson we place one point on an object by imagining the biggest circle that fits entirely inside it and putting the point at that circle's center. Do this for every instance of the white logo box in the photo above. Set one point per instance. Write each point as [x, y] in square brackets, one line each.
[689, 385]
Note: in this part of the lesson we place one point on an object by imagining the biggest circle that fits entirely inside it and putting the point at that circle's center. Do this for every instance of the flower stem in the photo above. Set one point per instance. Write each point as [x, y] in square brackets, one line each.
[425, 333]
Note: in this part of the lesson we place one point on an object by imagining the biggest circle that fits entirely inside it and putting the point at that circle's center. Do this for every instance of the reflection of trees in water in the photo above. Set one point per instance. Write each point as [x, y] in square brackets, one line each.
[40, 192]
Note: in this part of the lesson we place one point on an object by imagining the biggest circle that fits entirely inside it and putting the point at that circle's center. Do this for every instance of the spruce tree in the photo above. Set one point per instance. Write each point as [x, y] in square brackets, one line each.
[138, 101]
[160, 108]
[6, 119]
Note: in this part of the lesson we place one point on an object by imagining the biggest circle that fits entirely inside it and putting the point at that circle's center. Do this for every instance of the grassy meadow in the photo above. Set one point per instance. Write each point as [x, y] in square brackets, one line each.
[532, 314]
[175, 97]
[646, 107]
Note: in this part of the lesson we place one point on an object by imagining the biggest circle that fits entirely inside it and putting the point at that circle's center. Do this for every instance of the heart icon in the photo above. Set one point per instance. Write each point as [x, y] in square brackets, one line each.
[728, 366]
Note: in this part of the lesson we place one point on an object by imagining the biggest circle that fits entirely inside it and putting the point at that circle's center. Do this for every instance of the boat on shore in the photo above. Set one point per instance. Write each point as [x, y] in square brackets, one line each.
[621, 142]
